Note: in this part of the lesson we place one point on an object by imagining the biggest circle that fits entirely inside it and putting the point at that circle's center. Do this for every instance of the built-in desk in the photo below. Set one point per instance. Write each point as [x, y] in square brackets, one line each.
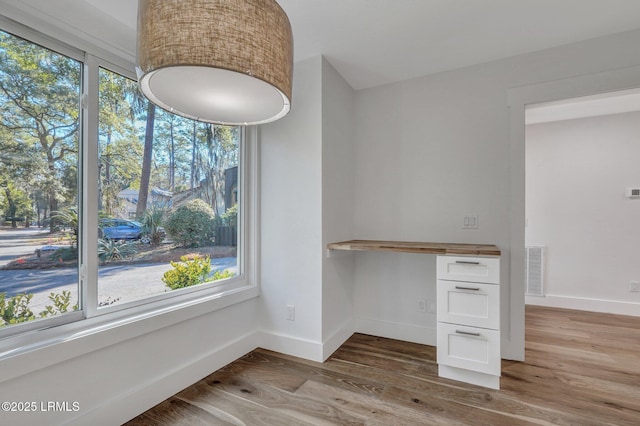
[444, 249]
[467, 308]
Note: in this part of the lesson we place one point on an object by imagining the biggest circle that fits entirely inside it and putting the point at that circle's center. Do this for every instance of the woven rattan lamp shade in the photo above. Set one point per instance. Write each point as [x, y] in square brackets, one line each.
[218, 61]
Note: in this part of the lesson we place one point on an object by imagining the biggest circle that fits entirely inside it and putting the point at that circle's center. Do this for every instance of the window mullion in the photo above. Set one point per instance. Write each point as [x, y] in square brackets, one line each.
[89, 185]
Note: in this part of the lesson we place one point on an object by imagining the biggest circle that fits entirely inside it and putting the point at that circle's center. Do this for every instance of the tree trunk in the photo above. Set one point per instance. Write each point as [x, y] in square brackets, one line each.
[141, 207]
[193, 158]
[12, 207]
[172, 161]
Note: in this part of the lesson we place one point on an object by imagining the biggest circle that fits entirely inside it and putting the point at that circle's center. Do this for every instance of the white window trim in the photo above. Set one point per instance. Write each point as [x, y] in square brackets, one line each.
[55, 339]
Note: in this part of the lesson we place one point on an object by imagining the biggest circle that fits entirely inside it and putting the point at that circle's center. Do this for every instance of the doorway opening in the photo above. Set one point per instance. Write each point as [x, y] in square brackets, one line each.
[582, 239]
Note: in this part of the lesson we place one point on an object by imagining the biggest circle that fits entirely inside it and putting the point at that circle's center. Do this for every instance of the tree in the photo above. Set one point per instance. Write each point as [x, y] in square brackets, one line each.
[39, 108]
[120, 150]
[221, 150]
[146, 161]
[15, 204]
[171, 151]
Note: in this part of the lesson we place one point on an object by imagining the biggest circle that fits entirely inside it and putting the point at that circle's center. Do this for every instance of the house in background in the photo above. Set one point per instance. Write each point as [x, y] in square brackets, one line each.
[162, 199]
[158, 198]
[230, 187]
[402, 159]
[205, 192]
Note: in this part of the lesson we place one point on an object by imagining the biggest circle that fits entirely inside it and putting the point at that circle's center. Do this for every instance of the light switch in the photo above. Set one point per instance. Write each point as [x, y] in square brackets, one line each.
[470, 222]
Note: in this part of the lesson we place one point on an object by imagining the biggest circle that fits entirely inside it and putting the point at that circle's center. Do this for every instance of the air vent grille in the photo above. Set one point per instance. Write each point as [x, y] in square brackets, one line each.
[535, 271]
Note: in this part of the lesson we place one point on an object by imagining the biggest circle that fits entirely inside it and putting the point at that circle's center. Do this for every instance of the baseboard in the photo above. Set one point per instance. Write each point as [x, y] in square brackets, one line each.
[585, 304]
[336, 340]
[468, 376]
[393, 330]
[290, 345]
[127, 405]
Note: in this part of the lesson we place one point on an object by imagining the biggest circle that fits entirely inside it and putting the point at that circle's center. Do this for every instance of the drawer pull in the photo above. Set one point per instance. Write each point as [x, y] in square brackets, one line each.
[466, 262]
[467, 288]
[467, 333]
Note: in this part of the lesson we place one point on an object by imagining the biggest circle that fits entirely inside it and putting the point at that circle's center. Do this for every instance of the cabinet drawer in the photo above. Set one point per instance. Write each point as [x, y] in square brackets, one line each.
[465, 303]
[471, 269]
[471, 348]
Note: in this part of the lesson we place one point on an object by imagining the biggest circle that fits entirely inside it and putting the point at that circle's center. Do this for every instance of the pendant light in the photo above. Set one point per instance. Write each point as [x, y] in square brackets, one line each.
[218, 61]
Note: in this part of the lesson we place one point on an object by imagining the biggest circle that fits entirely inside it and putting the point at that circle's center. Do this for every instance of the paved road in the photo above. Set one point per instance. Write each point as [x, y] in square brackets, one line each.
[122, 282]
[19, 241]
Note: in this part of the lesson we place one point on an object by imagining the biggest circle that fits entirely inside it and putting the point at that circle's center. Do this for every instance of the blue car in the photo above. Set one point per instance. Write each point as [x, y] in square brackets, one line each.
[123, 229]
[120, 229]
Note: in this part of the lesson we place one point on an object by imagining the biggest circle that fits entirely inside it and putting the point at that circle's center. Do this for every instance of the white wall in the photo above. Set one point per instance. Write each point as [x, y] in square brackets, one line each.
[337, 207]
[291, 219]
[121, 380]
[307, 201]
[576, 174]
[433, 149]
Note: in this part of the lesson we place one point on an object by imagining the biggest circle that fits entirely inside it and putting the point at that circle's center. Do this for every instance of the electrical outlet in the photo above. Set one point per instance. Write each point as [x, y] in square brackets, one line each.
[291, 313]
[431, 307]
[634, 286]
[422, 305]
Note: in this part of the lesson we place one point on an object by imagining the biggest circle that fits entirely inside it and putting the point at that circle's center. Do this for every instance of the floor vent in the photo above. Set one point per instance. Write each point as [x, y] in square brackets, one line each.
[535, 271]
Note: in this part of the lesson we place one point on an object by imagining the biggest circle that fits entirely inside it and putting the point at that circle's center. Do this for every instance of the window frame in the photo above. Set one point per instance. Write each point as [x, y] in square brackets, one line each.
[146, 314]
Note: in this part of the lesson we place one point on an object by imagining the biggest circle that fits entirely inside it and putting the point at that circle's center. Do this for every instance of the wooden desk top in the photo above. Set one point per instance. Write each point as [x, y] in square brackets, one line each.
[418, 247]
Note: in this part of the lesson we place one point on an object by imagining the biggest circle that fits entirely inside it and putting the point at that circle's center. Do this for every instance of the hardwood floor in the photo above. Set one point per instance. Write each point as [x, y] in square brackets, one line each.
[581, 368]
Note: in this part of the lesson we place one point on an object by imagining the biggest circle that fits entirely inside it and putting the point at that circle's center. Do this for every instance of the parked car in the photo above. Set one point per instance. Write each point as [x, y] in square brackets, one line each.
[123, 229]
[48, 249]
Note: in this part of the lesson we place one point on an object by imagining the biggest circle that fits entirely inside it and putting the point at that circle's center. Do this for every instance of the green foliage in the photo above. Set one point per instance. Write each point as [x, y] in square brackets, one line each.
[65, 253]
[191, 225]
[39, 93]
[68, 217]
[187, 273]
[15, 203]
[222, 275]
[60, 302]
[15, 310]
[113, 251]
[230, 217]
[151, 222]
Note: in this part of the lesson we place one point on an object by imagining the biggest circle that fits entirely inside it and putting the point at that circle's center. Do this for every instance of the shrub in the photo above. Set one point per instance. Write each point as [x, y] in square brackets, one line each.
[191, 225]
[60, 302]
[65, 254]
[15, 310]
[222, 275]
[68, 217]
[151, 223]
[230, 217]
[112, 251]
[187, 273]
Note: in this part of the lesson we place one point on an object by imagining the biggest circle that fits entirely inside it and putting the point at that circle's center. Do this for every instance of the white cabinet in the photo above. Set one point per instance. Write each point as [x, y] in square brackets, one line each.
[469, 269]
[471, 304]
[468, 313]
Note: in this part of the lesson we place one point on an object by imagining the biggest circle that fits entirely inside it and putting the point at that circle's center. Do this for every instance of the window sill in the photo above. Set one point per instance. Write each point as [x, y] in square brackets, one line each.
[29, 352]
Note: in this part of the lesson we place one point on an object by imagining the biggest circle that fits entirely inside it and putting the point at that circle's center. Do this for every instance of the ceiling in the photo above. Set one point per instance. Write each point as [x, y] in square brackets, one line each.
[374, 42]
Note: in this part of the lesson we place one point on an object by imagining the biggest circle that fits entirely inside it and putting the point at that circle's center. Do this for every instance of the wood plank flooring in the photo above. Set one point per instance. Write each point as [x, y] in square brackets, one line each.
[581, 368]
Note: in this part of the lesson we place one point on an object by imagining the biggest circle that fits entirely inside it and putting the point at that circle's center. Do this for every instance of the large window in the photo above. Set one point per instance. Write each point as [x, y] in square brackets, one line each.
[167, 211]
[39, 135]
[108, 203]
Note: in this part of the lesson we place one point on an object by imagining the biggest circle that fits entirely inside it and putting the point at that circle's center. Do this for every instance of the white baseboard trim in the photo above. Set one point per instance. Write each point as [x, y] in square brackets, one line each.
[393, 330]
[126, 406]
[585, 304]
[336, 340]
[468, 376]
[290, 345]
